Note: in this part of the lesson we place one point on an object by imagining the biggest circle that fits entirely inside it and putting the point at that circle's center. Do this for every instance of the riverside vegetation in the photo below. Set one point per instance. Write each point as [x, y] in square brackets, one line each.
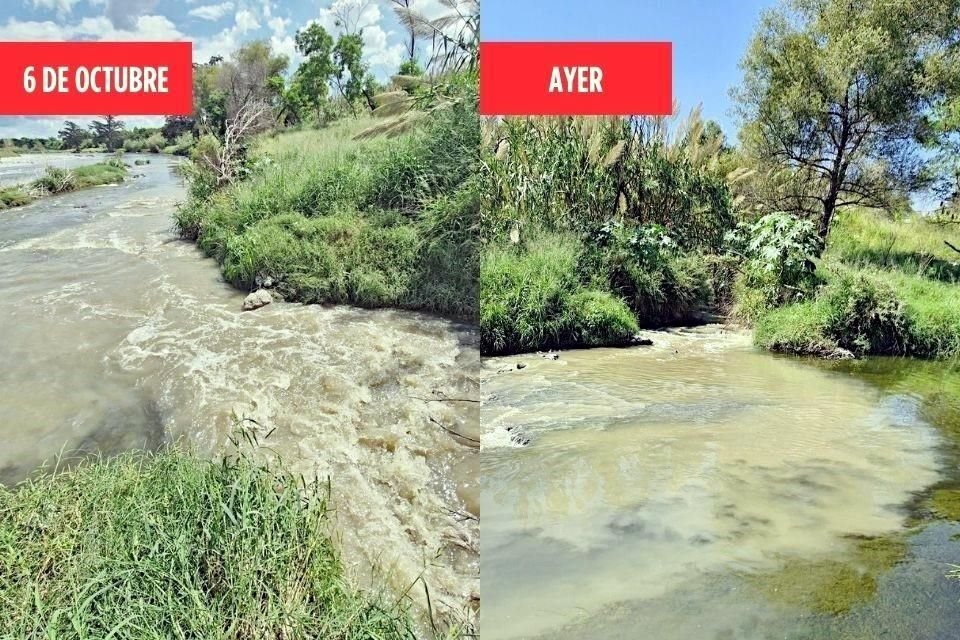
[596, 227]
[367, 197]
[343, 215]
[161, 546]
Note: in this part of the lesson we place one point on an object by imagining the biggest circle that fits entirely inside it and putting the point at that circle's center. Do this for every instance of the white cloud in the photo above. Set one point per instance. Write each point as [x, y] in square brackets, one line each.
[123, 14]
[99, 28]
[212, 11]
[62, 7]
[288, 47]
[246, 21]
[226, 41]
[278, 25]
[379, 52]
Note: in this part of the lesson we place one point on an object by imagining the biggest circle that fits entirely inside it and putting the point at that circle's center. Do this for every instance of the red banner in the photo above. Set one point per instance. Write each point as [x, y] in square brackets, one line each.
[576, 78]
[96, 78]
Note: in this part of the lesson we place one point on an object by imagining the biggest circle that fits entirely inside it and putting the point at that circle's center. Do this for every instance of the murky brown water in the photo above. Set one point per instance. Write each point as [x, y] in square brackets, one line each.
[655, 479]
[118, 335]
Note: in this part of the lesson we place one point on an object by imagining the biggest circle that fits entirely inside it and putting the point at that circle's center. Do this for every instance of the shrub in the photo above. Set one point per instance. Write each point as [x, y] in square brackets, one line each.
[779, 250]
[531, 299]
[13, 197]
[853, 312]
[644, 266]
[156, 142]
[598, 319]
[55, 180]
[865, 316]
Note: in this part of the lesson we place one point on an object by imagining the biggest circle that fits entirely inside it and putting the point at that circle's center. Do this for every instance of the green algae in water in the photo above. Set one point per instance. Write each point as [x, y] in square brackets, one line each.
[945, 503]
[832, 586]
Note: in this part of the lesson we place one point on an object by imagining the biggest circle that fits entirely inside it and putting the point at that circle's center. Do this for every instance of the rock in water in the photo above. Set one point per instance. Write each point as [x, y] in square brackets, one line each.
[257, 299]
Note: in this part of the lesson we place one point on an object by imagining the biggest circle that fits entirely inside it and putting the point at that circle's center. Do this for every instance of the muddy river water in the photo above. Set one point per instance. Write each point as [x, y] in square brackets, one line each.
[699, 488]
[118, 335]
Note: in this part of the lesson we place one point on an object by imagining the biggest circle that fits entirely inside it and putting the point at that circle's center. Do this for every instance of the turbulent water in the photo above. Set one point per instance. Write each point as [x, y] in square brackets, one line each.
[118, 335]
[633, 493]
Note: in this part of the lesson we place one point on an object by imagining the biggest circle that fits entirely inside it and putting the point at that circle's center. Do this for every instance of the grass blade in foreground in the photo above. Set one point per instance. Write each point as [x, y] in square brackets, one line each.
[169, 545]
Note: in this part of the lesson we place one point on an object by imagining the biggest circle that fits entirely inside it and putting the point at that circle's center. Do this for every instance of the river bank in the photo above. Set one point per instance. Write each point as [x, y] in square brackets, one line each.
[54, 176]
[151, 347]
[712, 489]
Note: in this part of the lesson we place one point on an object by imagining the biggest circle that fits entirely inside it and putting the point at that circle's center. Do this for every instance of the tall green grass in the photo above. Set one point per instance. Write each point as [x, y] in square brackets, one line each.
[335, 216]
[912, 244]
[626, 208]
[531, 298]
[169, 545]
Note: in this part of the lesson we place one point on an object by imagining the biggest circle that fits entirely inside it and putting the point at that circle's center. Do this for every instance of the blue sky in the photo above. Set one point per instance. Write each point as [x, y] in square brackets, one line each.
[709, 37]
[216, 27]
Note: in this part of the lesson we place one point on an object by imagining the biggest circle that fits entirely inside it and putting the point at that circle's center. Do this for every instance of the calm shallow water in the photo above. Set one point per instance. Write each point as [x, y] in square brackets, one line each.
[118, 335]
[659, 483]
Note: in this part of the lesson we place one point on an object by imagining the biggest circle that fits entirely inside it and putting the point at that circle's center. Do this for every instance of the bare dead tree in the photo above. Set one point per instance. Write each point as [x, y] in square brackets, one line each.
[226, 161]
[348, 14]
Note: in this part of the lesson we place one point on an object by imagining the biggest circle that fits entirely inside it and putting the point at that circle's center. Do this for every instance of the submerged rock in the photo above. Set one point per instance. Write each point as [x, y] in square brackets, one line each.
[257, 299]
[639, 341]
[551, 356]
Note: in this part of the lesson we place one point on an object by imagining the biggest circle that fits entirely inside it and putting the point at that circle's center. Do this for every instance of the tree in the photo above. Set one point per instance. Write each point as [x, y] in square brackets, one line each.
[252, 76]
[109, 132]
[309, 87]
[348, 14]
[209, 101]
[410, 68]
[349, 71]
[833, 94]
[176, 126]
[72, 136]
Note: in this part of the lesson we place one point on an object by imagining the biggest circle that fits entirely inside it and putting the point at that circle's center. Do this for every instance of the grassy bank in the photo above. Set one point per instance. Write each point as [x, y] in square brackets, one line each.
[56, 181]
[168, 545]
[886, 287]
[335, 215]
[596, 227]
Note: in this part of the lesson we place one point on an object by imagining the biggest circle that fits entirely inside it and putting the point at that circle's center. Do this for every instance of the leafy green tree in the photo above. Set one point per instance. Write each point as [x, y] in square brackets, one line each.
[108, 132]
[309, 88]
[833, 93]
[175, 126]
[209, 101]
[251, 77]
[349, 71]
[72, 136]
[410, 68]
